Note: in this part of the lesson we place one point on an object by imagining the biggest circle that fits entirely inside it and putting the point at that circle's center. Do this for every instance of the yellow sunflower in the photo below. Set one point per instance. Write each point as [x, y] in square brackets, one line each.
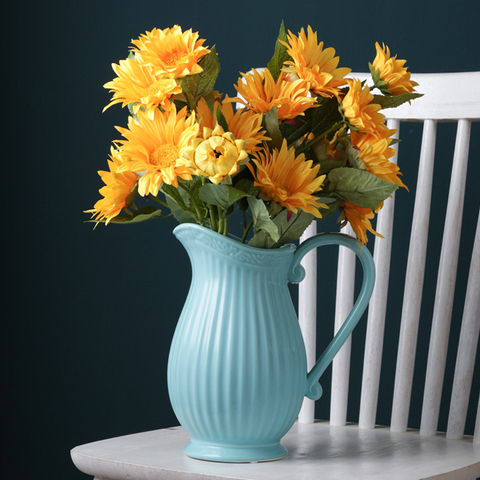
[260, 93]
[170, 52]
[154, 148]
[288, 180]
[393, 72]
[359, 112]
[244, 124]
[218, 155]
[375, 153]
[118, 192]
[137, 84]
[314, 64]
[359, 219]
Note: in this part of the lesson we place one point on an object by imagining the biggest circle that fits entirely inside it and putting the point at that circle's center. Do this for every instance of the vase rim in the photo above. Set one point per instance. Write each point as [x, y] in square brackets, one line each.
[236, 241]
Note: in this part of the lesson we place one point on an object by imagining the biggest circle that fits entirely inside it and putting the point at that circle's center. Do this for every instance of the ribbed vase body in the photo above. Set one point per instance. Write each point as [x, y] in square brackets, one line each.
[237, 368]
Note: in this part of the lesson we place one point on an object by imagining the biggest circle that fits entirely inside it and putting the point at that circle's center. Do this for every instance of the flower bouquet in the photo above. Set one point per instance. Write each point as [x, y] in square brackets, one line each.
[303, 142]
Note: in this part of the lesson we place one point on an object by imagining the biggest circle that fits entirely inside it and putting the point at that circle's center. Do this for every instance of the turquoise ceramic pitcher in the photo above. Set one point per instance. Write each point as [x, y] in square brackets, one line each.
[237, 370]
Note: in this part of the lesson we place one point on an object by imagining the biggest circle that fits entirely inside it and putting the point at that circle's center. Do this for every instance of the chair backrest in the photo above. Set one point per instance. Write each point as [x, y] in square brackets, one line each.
[450, 97]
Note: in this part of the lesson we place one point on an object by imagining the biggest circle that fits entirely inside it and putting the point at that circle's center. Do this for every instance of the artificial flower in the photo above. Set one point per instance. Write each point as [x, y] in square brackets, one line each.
[154, 148]
[260, 93]
[118, 193]
[314, 64]
[137, 84]
[392, 72]
[375, 153]
[218, 155]
[247, 125]
[299, 121]
[288, 180]
[244, 124]
[359, 219]
[170, 52]
[360, 112]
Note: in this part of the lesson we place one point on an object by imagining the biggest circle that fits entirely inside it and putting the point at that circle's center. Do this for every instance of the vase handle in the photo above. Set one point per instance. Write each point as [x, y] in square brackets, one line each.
[297, 274]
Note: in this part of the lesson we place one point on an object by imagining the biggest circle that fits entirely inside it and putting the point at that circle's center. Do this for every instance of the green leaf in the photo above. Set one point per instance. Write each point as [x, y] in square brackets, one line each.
[176, 194]
[234, 194]
[247, 186]
[261, 240]
[210, 98]
[291, 230]
[221, 120]
[326, 116]
[181, 215]
[141, 215]
[184, 200]
[353, 157]
[214, 194]
[359, 187]
[261, 218]
[225, 196]
[186, 197]
[374, 72]
[194, 186]
[201, 84]
[180, 104]
[333, 204]
[395, 101]
[130, 110]
[327, 165]
[211, 68]
[289, 130]
[270, 122]
[280, 55]
[378, 81]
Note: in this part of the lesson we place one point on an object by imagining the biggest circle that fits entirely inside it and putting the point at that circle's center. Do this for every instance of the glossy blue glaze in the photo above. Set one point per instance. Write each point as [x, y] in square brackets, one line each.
[237, 371]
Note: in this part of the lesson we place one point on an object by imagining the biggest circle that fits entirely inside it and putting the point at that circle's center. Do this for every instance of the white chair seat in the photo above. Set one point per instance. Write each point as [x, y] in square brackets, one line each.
[316, 451]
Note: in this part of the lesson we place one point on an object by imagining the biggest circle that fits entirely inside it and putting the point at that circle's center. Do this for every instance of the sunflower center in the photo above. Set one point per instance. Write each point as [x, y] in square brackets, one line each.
[160, 85]
[164, 156]
[173, 59]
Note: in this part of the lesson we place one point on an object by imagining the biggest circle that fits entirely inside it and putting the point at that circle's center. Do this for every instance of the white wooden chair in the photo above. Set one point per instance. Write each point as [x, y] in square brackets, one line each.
[337, 450]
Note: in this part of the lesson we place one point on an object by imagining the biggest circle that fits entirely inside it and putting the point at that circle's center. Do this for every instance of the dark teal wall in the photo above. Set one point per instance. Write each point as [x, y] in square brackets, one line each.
[88, 315]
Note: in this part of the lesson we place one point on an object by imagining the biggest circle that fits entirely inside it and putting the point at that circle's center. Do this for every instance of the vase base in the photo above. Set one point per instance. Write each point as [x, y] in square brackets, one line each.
[235, 453]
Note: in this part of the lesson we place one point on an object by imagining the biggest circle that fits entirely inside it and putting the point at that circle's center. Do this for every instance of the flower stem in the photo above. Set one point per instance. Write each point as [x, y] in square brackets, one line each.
[213, 218]
[221, 221]
[246, 230]
[156, 199]
[192, 197]
[225, 226]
